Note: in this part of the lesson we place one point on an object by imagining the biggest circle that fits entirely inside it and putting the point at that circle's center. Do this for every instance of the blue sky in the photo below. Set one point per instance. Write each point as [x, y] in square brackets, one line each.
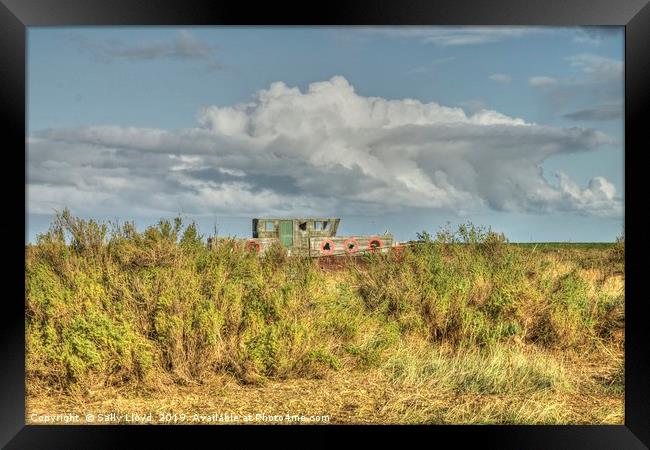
[399, 129]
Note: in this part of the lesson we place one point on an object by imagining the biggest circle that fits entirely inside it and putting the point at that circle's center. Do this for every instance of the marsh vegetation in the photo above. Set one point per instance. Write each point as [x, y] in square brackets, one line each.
[464, 327]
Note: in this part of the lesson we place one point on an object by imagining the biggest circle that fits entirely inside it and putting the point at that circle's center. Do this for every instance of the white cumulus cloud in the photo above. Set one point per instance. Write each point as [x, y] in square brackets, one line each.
[500, 78]
[542, 81]
[327, 150]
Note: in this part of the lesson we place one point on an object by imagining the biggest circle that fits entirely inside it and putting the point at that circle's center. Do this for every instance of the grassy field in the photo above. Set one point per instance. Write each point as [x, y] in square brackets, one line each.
[462, 328]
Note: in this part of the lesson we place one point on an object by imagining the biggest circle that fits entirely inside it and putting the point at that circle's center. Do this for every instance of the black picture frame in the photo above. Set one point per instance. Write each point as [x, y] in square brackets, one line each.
[16, 15]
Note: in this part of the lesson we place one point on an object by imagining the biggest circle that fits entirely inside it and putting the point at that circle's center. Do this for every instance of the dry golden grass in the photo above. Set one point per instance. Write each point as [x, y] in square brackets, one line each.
[347, 398]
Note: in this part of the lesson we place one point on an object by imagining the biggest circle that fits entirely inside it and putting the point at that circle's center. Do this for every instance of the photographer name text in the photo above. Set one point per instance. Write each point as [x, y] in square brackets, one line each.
[173, 418]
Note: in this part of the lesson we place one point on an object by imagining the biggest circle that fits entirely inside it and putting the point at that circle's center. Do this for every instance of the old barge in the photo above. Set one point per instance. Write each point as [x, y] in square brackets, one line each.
[315, 237]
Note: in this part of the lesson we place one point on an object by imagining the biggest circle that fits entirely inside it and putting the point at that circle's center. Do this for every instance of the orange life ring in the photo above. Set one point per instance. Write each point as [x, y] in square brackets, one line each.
[327, 247]
[351, 245]
[374, 243]
[253, 246]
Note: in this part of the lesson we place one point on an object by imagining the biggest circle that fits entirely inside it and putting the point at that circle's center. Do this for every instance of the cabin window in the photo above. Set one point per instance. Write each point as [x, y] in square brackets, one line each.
[303, 226]
[269, 226]
[321, 225]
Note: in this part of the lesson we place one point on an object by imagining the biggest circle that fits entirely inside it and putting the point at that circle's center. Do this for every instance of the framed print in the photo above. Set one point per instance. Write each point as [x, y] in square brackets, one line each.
[419, 215]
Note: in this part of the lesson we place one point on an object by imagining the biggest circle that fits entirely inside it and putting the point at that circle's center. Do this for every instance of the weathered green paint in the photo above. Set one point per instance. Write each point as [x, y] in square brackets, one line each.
[286, 233]
[304, 236]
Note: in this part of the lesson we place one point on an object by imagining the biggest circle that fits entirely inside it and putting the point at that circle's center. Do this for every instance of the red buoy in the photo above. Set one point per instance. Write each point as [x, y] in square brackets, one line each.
[374, 243]
[253, 246]
[351, 245]
[327, 247]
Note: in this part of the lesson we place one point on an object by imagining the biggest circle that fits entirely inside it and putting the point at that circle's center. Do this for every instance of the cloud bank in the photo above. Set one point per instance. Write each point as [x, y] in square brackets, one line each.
[450, 36]
[326, 150]
[598, 113]
[183, 46]
[596, 81]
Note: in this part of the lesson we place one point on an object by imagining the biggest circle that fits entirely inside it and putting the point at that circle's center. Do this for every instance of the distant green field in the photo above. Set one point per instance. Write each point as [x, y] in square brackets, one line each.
[580, 245]
[550, 246]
